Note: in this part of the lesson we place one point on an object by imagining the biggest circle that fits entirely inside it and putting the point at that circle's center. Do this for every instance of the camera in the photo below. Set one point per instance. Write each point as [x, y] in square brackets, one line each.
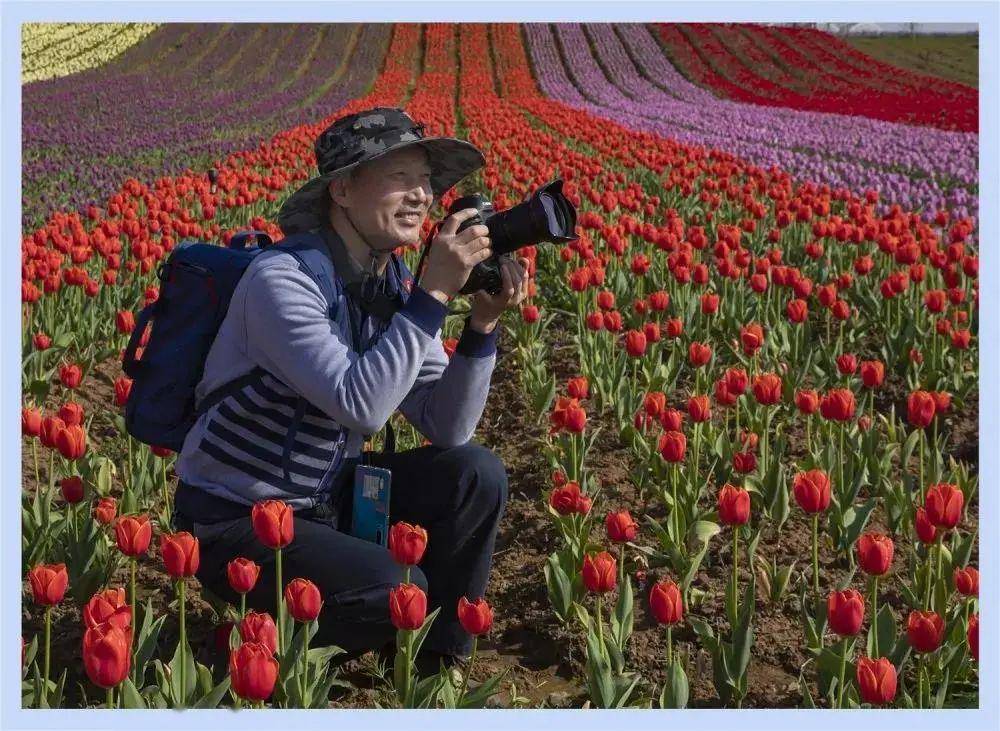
[544, 216]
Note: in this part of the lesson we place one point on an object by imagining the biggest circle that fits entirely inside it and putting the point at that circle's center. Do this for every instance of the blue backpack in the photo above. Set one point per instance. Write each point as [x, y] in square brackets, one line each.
[196, 284]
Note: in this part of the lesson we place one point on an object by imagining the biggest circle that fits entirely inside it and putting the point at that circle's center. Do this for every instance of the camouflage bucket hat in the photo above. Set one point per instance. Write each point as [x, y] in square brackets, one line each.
[358, 138]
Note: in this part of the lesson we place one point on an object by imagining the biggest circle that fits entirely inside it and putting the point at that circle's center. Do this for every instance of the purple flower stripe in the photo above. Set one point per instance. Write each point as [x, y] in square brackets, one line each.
[639, 88]
[184, 96]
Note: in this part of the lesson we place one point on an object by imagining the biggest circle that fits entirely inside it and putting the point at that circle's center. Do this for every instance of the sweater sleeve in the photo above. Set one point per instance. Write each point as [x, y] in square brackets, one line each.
[448, 397]
[289, 334]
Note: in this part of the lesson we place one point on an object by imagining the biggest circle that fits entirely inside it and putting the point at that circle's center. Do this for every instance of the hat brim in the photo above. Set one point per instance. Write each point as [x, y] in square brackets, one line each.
[451, 160]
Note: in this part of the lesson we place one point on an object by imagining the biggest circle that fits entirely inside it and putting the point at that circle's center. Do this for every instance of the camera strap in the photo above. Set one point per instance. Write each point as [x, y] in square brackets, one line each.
[366, 291]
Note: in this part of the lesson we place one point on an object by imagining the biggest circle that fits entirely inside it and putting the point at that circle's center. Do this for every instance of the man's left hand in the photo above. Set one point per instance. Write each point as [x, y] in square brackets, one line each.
[487, 308]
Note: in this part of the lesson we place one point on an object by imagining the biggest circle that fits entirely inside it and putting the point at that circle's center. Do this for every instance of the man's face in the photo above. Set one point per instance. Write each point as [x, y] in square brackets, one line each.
[389, 198]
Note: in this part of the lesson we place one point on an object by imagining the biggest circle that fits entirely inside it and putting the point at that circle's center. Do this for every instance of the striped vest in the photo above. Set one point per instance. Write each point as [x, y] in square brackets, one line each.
[272, 441]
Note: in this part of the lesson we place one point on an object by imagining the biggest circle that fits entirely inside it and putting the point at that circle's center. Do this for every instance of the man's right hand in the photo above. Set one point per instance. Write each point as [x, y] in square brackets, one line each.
[453, 255]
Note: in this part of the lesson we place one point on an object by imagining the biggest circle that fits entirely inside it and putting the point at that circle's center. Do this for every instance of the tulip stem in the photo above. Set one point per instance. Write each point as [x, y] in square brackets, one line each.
[131, 586]
[875, 654]
[183, 653]
[670, 647]
[48, 644]
[277, 598]
[676, 506]
[303, 681]
[621, 564]
[921, 440]
[843, 667]
[468, 672]
[243, 607]
[34, 451]
[600, 626]
[815, 548]
[111, 697]
[736, 563]
[406, 574]
[939, 574]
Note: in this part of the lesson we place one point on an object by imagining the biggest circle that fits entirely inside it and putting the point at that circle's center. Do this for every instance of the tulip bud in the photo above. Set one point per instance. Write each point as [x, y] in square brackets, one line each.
[253, 670]
[48, 583]
[924, 630]
[943, 503]
[259, 627]
[600, 574]
[109, 606]
[967, 581]
[672, 446]
[972, 636]
[666, 603]
[72, 442]
[303, 599]
[107, 654]
[734, 505]
[621, 527]
[407, 543]
[812, 490]
[876, 681]
[72, 489]
[242, 574]
[920, 408]
[180, 554]
[476, 617]
[133, 534]
[875, 553]
[407, 606]
[845, 612]
[105, 510]
[926, 531]
[273, 523]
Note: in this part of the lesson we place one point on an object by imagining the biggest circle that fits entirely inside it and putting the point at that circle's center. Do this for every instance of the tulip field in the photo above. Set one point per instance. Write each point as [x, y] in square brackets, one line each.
[739, 414]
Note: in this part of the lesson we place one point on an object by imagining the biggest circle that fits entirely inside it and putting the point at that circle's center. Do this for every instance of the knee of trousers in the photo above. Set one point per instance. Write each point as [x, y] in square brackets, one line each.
[481, 468]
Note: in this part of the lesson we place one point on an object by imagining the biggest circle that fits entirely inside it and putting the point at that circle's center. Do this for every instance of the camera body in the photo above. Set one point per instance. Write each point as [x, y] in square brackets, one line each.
[546, 215]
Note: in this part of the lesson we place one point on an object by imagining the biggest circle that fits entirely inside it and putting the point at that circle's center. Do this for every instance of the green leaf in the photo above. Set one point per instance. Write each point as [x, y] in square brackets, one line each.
[477, 698]
[600, 682]
[214, 697]
[418, 638]
[181, 695]
[675, 690]
[559, 587]
[146, 640]
[130, 697]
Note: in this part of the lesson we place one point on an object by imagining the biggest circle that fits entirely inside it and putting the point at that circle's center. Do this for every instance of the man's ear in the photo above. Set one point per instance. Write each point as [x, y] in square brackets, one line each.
[338, 190]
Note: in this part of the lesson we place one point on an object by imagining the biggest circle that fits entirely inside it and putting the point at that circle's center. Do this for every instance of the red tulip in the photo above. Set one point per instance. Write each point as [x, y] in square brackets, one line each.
[303, 599]
[838, 404]
[48, 583]
[107, 654]
[407, 606]
[736, 380]
[407, 543]
[926, 531]
[812, 490]
[872, 373]
[875, 553]
[578, 388]
[671, 419]
[105, 510]
[847, 364]
[31, 422]
[621, 527]
[845, 612]
[972, 636]
[476, 617]
[180, 554]
[666, 603]
[123, 387]
[600, 572]
[699, 354]
[635, 343]
[242, 574]
[108, 606]
[876, 681]
[72, 442]
[944, 505]
[744, 462]
[797, 311]
[71, 413]
[133, 534]
[699, 409]
[529, 313]
[125, 322]
[41, 341]
[51, 426]
[920, 407]
[751, 338]
[253, 670]
[924, 630]
[673, 445]
[70, 376]
[654, 403]
[734, 505]
[967, 581]
[767, 389]
[567, 499]
[273, 523]
[72, 489]
[807, 401]
[259, 627]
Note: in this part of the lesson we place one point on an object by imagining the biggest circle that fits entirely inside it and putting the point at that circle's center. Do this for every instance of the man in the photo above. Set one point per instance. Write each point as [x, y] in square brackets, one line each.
[315, 381]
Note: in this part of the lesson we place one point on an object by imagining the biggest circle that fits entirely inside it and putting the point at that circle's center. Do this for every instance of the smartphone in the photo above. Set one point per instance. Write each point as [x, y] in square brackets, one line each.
[370, 509]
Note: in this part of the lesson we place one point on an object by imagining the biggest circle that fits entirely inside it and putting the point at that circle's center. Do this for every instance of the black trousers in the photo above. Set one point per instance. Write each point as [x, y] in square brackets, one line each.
[457, 494]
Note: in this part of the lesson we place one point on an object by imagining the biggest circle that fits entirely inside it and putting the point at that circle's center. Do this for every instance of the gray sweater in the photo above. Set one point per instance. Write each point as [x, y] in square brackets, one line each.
[313, 398]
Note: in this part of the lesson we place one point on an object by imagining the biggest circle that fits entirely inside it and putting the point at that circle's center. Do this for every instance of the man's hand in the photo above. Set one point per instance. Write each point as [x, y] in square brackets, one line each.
[453, 255]
[486, 308]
